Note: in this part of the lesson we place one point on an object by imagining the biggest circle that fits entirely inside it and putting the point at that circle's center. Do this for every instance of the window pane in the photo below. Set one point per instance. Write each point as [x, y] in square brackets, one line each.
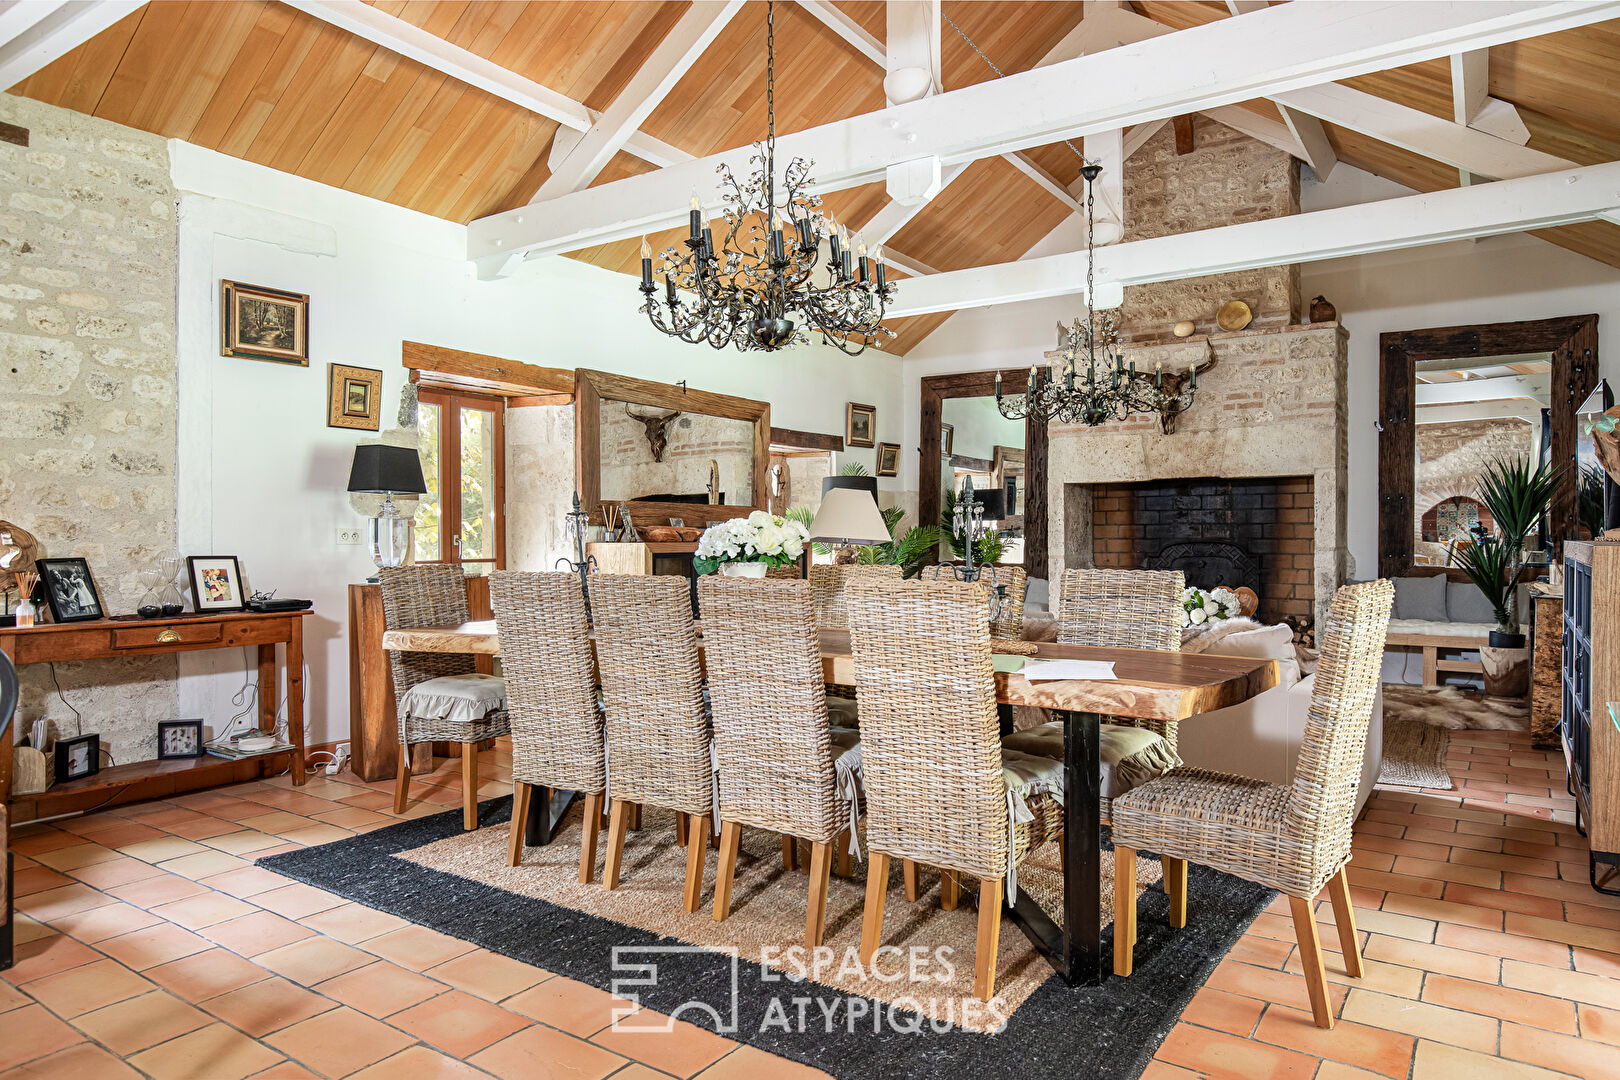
[428, 507]
[477, 484]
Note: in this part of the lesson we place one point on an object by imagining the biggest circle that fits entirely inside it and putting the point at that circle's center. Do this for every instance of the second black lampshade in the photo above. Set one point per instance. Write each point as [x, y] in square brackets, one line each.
[387, 470]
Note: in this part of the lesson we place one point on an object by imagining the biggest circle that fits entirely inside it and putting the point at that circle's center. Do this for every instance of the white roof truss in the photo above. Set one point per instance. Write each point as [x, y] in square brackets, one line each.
[34, 33]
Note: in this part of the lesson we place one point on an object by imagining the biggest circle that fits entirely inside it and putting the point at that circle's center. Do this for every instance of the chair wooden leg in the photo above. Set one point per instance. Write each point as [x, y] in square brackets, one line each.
[469, 786]
[1310, 955]
[618, 821]
[790, 853]
[696, 852]
[1345, 916]
[846, 862]
[1124, 909]
[815, 916]
[726, 869]
[984, 950]
[877, 891]
[634, 820]
[590, 826]
[402, 786]
[950, 889]
[714, 836]
[520, 814]
[1175, 887]
[682, 829]
[909, 870]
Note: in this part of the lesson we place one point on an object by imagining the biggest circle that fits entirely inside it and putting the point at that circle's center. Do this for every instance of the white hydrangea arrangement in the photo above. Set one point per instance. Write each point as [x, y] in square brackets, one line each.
[1200, 606]
[759, 537]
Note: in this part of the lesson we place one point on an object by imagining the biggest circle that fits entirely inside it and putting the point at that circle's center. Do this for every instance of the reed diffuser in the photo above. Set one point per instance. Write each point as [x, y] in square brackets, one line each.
[27, 581]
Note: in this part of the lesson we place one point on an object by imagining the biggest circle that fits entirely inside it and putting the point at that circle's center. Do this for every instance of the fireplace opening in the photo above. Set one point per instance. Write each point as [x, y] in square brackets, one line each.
[1257, 532]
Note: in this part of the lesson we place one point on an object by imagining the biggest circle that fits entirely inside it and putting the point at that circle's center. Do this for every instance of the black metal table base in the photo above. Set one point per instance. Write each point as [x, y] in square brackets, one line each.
[546, 809]
[1075, 949]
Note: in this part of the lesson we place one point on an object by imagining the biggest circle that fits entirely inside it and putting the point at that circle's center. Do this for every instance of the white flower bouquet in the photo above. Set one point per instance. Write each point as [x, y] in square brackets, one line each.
[1200, 606]
[757, 538]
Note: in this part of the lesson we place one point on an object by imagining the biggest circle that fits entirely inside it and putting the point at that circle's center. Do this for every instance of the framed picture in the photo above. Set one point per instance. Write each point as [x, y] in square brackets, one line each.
[216, 582]
[860, 421]
[354, 398]
[264, 324]
[180, 739]
[888, 459]
[69, 589]
[78, 758]
[947, 438]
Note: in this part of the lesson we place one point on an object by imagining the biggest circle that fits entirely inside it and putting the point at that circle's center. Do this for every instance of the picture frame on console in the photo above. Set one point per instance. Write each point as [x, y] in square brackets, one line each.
[216, 583]
[70, 590]
[77, 758]
[179, 739]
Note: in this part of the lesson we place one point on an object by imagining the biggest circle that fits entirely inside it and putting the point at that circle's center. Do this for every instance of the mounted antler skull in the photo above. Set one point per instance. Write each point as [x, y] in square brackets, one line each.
[657, 430]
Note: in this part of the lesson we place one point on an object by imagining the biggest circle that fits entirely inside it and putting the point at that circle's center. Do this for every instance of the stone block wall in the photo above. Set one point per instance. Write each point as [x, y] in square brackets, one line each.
[1451, 457]
[88, 242]
[1227, 179]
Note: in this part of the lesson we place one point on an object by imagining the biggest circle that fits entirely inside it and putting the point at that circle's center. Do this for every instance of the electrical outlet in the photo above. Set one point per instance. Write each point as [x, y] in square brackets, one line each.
[350, 536]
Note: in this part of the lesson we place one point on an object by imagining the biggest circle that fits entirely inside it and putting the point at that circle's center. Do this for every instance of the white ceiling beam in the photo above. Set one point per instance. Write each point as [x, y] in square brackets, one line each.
[1261, 128]
[1503, 387]
[1313, 147]
[908, 264]
[647, 88]
[38, 34]
[1048, 183]
[1241, 7]
[1528, 411]
[1137, 137]
[1280, 49]
[911, 50]
[846, 28]
[1531, 202]
[1470, 84]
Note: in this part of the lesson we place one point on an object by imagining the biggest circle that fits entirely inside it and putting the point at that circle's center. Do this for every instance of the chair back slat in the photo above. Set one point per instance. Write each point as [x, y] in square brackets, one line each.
[652, 691]
[769, 706]
[431, 594]
[1122, 609]
[1010, 624]
[930, 744]
[830, 583]
[550, 680]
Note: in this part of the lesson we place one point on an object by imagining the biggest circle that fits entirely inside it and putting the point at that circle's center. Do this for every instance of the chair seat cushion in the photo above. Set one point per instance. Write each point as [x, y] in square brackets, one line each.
[457, 698]
[1131, 756]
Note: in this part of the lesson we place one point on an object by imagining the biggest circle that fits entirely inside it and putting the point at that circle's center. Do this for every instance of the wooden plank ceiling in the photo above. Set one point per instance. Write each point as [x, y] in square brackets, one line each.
[265, 82]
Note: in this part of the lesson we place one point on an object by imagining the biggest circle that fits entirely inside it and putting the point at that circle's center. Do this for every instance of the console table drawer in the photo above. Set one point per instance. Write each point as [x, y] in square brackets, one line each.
[145, 637]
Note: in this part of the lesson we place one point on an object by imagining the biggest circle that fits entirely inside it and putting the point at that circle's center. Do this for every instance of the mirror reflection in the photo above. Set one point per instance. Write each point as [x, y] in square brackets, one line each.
[666, 455]
[980, 444]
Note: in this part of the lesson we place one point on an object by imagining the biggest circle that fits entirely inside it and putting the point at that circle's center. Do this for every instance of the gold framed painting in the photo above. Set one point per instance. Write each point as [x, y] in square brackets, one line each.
[264, 324]
[860, 424]
[888, 459]
[354, 398]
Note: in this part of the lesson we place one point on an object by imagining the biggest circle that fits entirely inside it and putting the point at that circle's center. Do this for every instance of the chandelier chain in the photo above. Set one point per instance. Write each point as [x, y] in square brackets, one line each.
[992, 65]
[770, 109]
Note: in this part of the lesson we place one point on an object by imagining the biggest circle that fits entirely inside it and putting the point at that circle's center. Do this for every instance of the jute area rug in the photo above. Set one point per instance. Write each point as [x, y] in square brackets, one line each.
[1415, 755]
[911, 1013]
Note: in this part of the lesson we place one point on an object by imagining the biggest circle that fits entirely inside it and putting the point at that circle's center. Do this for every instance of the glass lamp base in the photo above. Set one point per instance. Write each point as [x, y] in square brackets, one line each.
[392, 540]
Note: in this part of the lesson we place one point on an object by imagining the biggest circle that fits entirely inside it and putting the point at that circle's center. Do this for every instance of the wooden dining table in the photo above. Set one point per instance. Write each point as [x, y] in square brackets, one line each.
[1147, 685]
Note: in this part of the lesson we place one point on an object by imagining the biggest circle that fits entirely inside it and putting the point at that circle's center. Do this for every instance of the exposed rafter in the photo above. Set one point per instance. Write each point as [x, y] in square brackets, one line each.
[33, 34]
[1268, 53]
[1503, 387]
[1310, 140]
[846, 28]
[1513, 409]
[1047, 182]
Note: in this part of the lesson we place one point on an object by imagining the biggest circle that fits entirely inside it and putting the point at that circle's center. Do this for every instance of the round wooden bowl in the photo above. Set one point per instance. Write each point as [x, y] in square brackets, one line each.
[1234, 315]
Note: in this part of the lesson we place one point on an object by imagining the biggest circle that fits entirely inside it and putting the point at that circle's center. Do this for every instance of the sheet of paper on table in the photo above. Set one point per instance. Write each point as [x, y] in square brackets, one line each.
[1048, 670]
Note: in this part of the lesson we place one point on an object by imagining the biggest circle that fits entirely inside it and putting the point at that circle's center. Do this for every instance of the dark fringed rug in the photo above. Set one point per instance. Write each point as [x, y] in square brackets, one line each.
[1054, 1031]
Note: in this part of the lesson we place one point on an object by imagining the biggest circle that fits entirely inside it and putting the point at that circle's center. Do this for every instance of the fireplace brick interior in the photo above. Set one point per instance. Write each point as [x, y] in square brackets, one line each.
[1256, 531]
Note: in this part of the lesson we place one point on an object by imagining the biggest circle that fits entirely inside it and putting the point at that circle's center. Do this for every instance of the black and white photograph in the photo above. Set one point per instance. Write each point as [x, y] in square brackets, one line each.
[70, 590]
[180, 739]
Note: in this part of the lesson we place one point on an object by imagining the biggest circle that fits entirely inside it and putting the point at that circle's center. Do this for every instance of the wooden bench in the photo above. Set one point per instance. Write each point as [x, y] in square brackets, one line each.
[1432, 644]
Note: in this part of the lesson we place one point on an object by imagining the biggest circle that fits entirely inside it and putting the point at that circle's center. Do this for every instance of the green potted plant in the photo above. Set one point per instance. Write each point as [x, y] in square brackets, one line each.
[908, 551]
[1518, 497]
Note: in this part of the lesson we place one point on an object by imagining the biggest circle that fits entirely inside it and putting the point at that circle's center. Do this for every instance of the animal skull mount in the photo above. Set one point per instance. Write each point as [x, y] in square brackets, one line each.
[1173, 385]
[657, 430]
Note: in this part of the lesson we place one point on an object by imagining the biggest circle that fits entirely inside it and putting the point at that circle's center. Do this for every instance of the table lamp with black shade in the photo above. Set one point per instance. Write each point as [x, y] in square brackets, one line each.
[388, 471]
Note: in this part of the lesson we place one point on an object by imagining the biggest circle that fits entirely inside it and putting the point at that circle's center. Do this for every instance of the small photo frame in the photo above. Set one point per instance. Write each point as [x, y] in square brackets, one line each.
[888, 459]
[679, 523]
[179, 739]
[860, 424]
[69, 590]
[216, 582]
[264, 324]
[947, 439]
[77, 758]
[354, 398]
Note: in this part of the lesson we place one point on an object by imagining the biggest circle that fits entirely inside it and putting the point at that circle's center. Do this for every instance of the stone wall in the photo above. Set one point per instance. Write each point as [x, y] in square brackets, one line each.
[88, 243]
[1228, 178]
[1451, 457]
[539, 485]
[692, 441]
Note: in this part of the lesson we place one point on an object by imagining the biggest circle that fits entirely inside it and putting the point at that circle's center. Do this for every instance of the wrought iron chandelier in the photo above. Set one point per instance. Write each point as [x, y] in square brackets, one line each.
[754, 290]
[1088, 380]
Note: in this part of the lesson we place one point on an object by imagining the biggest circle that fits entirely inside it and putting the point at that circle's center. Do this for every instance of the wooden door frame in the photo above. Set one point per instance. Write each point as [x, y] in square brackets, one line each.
[450, 451]
[935, 389]
[1573, 342]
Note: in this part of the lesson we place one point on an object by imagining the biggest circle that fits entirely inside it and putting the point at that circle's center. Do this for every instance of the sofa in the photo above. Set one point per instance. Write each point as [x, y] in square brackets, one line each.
[1445, 622]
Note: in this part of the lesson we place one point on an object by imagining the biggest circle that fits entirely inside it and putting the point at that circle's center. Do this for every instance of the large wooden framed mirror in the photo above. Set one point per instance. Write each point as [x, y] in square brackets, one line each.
[991, 449]
[665, 451]
[1453, 398]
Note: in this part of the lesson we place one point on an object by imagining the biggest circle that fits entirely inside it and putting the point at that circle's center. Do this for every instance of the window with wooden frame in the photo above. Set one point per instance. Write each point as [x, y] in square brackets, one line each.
[462, 517]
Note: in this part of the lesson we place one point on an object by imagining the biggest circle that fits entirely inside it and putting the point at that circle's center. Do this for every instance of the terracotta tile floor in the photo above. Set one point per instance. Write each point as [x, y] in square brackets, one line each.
[149, 945]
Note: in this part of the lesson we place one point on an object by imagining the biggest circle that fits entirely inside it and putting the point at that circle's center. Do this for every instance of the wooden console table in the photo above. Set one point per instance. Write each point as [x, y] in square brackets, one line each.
[109, 639]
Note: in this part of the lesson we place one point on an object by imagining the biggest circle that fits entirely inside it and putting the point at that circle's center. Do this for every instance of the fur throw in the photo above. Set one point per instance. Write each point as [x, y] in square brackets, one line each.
[1197, 639]
[1449, 707]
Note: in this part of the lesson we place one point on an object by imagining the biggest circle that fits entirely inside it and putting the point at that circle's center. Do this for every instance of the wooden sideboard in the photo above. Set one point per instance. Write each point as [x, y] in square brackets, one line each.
[111, 639]
[1591, 680]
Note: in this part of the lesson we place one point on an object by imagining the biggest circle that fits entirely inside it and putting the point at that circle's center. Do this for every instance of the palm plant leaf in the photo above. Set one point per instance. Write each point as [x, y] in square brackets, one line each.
[1488, 564]
[1517, 496]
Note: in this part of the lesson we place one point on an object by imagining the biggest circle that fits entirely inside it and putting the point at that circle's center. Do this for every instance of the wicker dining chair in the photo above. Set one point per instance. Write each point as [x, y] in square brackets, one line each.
[1294, 839]
[434, 594]
[779, 766]
[1124, 609]
[656, 722]
[932, 756]
[830, 584]
[1010, 623]
[551, 700]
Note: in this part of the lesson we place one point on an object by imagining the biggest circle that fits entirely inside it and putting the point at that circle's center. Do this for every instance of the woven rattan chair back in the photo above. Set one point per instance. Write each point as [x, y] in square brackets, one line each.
[1322, 804]
[931, 750]
[550, 680]
[830, 584]
[652, 692]
[1011, 623]
[769, 706]
[429, 595]
[1121, 609]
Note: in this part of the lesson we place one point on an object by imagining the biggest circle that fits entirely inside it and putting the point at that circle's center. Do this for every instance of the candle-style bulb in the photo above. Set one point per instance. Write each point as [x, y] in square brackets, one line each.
[695, 204]
[646, 249]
